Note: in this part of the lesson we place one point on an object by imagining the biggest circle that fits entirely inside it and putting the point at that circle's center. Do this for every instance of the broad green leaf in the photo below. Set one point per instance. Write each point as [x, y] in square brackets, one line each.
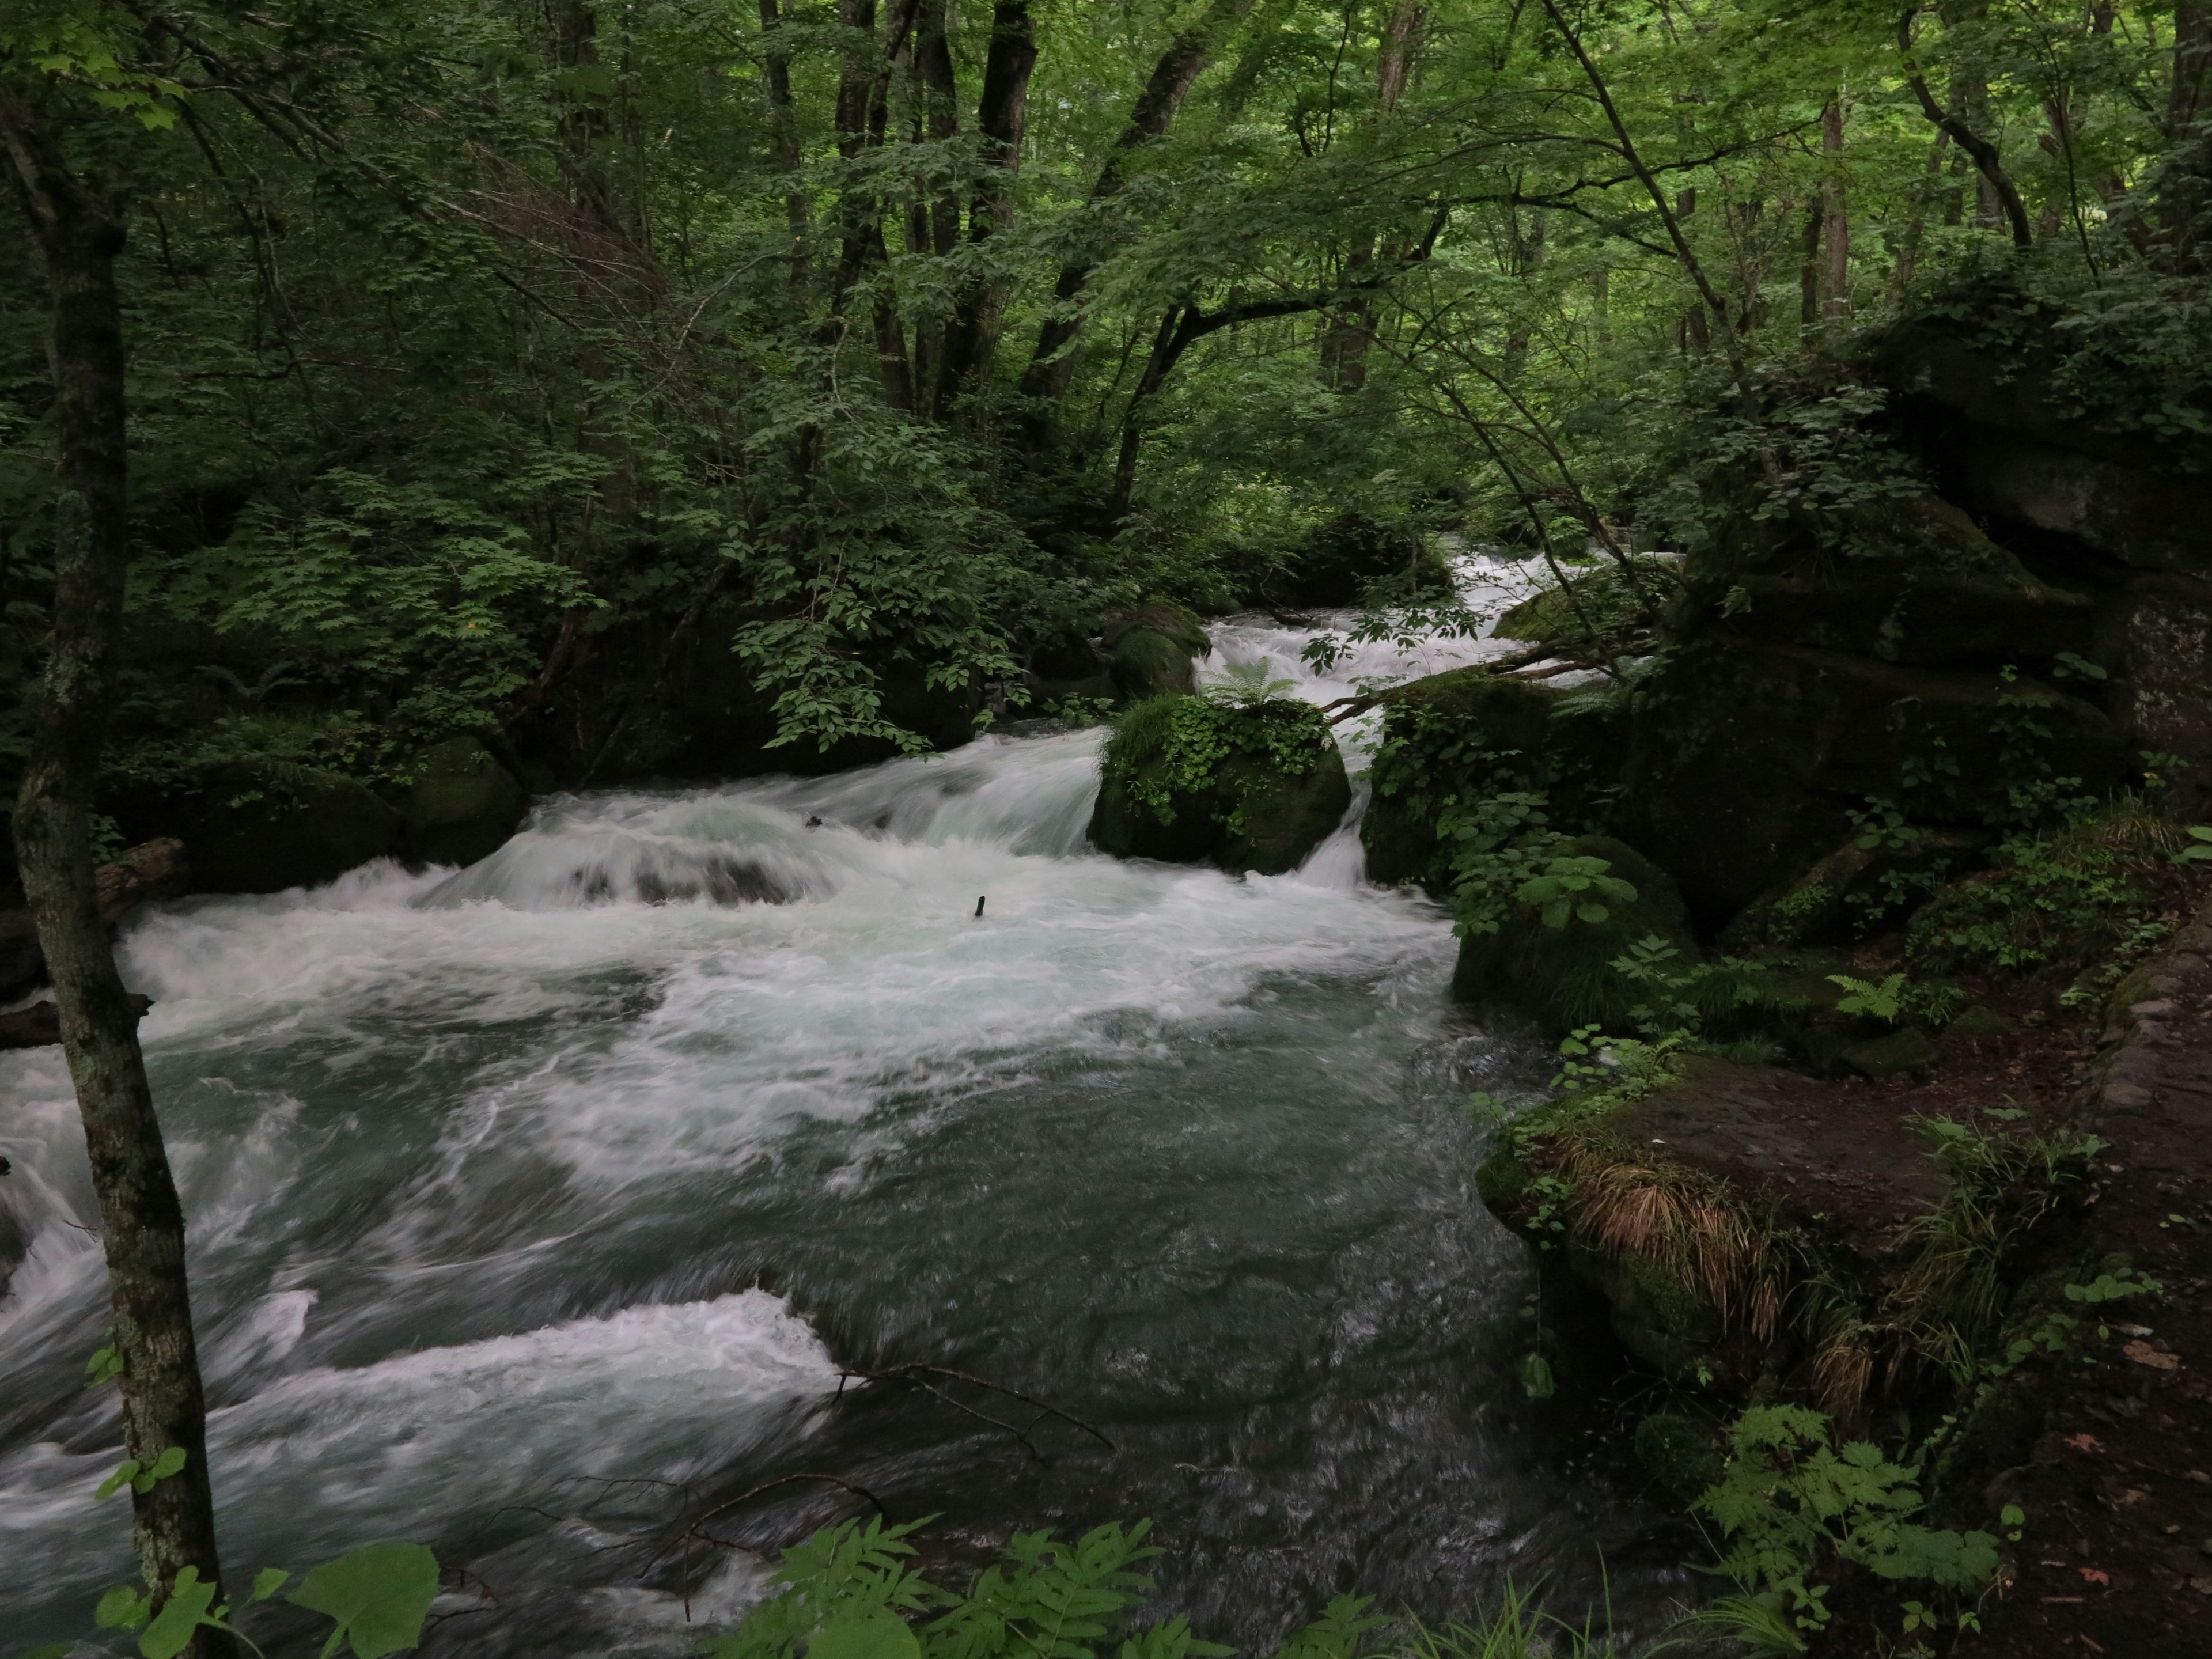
[876, 1633]
[267, 1583]
[126, 1474]
[184, 1611]
[122, 1608]
[379, 1594]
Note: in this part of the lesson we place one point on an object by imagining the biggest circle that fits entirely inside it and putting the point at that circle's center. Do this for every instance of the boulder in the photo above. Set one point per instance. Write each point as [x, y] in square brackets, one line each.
[1251, 814]
[156, 870]
[2155, 637]
[259, 827]
[1563, 977]
[1744, 757]
[1602, 599]
[1854, 890]
[1152, 649]
[1352, 554]
[1470, 732]
[463, 803]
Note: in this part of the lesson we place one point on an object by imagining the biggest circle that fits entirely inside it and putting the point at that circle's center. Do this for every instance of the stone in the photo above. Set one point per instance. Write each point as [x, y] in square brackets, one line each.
[1906, 1049]
[257, 827]
[1342, 562]
[463, 803]
[1152, 649]
[1979, 1021]
[1745, 758]
[1563, 977]
[2155, 636]
[1852, 891]
[1283, 816]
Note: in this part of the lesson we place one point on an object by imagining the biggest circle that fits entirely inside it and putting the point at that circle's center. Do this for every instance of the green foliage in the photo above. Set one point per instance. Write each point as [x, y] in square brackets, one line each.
[1883, 1002]
[141, 1479]
[377, 1596]
[1791, 1502]
[1569, 889]
[1174, 746]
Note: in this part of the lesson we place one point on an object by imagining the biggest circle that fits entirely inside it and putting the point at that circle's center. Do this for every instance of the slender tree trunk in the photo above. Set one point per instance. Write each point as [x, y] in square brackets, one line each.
[1052, 363]
[1002, 113]
[2184, 188]
[783, 129]
[1835, 224]
[1349, 331]
[79, 235]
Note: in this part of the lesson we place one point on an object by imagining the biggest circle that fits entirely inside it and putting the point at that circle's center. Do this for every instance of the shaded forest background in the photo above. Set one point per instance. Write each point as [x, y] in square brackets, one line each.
[693, 388]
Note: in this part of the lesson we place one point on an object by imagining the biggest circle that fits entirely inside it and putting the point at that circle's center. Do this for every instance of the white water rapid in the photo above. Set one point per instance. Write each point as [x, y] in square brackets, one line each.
[536, 1205]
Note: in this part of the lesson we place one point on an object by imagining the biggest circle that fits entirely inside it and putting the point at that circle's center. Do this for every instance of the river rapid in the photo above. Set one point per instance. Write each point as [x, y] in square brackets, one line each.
[536, 1206]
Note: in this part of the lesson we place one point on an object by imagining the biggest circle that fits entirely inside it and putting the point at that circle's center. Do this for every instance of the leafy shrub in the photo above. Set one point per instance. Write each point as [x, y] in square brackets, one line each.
[1175, 745]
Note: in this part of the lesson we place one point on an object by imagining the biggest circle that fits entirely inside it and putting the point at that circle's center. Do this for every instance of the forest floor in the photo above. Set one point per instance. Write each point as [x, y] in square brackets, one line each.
[2117, 1555]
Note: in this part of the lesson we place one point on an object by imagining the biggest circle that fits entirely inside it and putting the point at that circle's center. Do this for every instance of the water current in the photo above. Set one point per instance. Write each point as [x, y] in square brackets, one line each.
[536, 1206]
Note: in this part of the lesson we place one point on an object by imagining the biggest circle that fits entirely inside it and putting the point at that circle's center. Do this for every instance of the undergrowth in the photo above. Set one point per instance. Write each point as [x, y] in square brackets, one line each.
[1173, 747]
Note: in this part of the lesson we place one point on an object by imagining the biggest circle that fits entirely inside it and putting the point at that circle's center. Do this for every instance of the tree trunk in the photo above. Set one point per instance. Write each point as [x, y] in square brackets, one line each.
[1835, 224]
[2184, 188]
[142, 1225]
[1002, 114]
[1348, 332]
[1052, 363]
[783, 131]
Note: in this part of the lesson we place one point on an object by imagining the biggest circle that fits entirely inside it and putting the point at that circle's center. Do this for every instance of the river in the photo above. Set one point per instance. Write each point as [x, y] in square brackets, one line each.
[535, 1206]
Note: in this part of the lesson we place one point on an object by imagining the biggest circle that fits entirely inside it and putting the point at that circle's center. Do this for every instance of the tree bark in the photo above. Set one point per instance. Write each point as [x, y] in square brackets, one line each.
[1348, 334]
[783, 129]
[2184, 187]
[1835, 224]
[1002, 115]
[1052, 363]
[79, 233]
[1983, 152]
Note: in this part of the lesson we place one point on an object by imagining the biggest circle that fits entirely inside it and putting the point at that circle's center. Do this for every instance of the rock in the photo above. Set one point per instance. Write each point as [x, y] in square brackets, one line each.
[1913, 581]
[1152, 649]
[1743, 758]
[1602, 598]
[1469, 731]
[1852, 891]
[39, 1026]
[1683, 1454]
[463, 803]
[1250, 815]
[255, 827]
[1562, 977]
[1981, 1021]
[1905, 1049]
[2155, 636]
[155, 870]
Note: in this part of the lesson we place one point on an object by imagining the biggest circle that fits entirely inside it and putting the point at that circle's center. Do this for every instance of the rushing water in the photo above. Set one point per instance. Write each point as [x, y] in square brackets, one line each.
[536, 1205]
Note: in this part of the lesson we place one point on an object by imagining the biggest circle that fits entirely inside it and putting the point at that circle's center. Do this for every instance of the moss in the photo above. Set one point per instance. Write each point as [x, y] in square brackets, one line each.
[1502, 1182]
[1563, 977]
[1683, 1455]
[463, 803]
[1604, 598]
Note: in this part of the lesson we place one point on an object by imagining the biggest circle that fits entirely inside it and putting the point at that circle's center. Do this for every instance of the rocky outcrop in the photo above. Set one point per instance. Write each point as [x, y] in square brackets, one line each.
[1154, 649]
[1253, 810]
[1562, 977]
[462, 804]
[261, 827]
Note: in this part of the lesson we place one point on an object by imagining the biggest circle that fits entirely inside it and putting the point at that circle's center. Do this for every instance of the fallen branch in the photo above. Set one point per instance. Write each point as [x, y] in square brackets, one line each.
[913, 1374]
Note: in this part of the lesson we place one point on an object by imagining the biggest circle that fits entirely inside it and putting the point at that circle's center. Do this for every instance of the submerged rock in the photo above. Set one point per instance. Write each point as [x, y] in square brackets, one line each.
[463, 803]
[1272, 791]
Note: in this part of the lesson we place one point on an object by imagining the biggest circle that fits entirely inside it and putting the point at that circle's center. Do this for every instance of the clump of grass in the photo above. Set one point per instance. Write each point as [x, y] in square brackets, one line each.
[1516, 1628]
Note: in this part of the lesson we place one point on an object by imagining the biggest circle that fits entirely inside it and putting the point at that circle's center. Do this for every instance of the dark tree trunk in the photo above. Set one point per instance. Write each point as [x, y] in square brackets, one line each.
[79, 233]
[783, 128]
[1002, 115]
[863, 114]
[1348, 333]
[2184, 188]
[1052, 363]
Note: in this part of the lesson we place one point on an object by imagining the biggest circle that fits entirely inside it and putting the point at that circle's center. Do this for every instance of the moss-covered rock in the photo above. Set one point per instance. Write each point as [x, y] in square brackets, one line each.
[261, 827]
[1563, 977]
[1683, 1455]
[1254, 787]
[462, 803]
[1602, 602]
[1744, 759]
[1854, 890]
[1468, 732]
[1152, 649]
[1352, 557]
[1659, 1316]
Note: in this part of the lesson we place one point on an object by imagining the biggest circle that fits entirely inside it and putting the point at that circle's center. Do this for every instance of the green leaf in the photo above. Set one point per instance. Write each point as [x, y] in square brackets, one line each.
[1536, 1380]
[267, 1583]
[122, 1608]
[378, 1594]
[52, 1650]
[184, 1611]
[126, 1474]
[876, 1633]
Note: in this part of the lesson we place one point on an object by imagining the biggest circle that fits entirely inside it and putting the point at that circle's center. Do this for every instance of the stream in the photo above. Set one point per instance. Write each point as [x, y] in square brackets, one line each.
[536, 1206]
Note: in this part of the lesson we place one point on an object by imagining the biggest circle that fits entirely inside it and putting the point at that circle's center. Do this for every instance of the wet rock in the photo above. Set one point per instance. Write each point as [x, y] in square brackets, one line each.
[1854, 890]
[155, 870]
[463, 803]
[2155, 636]
[1604, 599]
[1685, 1455]
[1468, 732]
[1563, 977]
[1250, 813]
[257, 827]
[1153, 650]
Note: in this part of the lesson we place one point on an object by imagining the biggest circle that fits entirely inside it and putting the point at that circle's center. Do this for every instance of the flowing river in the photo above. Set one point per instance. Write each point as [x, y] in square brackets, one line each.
[538, 1205]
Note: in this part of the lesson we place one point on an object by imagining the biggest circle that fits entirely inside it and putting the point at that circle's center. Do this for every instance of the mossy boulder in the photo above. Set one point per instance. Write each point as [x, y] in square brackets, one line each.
[1153, 650]
[1684, 1454]
[262, 827]
[1605, 598]
[1563, 977]
[463, 803]
[1247, 807]
[1745, 759]
[1470, 732]
[1854, 890]
[1353, 558]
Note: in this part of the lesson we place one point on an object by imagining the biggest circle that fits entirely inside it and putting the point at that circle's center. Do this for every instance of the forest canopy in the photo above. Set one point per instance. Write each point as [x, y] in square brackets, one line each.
[482, 356]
